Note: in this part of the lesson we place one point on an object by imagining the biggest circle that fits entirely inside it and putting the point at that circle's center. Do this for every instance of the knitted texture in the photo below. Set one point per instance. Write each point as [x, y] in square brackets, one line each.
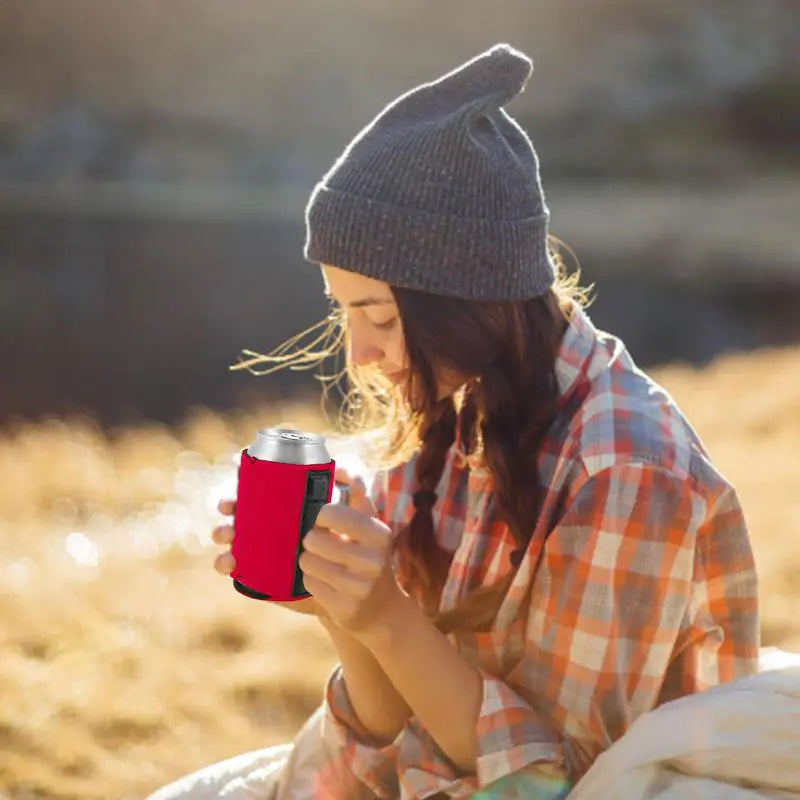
[441, 191]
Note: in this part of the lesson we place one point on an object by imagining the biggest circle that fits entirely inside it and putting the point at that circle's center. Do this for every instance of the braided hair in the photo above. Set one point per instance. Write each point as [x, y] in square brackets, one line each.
[509, 400]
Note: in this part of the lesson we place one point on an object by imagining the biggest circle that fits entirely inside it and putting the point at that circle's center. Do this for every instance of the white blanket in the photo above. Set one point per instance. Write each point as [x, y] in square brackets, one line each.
[737, 741]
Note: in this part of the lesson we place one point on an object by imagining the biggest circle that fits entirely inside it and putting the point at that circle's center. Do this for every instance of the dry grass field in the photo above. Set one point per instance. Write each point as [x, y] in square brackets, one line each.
[127, 661]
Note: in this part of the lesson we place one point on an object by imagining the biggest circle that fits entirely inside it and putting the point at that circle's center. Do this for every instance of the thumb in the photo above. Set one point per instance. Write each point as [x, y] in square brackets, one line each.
[359, 498]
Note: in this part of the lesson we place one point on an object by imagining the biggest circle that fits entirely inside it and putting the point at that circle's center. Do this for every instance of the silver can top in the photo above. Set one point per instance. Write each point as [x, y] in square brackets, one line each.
[289, 446]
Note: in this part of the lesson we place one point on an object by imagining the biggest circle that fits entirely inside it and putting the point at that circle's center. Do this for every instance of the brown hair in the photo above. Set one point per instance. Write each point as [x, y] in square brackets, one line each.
[503, 355]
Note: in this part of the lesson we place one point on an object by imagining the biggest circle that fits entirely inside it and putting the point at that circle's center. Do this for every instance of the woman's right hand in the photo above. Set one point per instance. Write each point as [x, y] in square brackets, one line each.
[223, 534]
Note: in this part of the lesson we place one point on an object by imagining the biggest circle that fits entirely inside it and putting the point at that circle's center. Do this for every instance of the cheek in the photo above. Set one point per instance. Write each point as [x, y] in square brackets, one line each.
[396, 348]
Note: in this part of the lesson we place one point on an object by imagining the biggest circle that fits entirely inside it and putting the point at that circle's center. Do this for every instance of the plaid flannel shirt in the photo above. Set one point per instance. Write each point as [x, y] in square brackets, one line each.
[638, 586]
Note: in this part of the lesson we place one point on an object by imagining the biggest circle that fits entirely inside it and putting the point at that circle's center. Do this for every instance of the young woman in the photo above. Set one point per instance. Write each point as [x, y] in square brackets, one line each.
[547, 551]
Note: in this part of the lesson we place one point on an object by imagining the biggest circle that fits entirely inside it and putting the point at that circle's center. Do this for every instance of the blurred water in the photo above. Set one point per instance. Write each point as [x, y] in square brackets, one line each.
[678, 278]
[82, 549]
[184, 521]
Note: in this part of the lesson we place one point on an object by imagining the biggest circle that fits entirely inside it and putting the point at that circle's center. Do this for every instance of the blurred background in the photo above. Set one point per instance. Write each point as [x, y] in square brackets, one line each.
[155, 160]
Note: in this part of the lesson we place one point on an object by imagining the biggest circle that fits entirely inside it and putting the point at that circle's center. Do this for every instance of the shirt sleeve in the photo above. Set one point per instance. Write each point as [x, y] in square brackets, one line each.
[721, 639]
[616, 598]
[412, 765]
[370, 759]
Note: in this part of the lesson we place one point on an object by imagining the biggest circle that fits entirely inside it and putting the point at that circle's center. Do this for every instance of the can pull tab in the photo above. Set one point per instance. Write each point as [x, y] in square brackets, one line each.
[299, 437]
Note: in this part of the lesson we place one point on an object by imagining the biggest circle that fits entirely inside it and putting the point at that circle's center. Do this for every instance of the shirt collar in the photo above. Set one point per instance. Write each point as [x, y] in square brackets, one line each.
[574, 355]
[572, 361]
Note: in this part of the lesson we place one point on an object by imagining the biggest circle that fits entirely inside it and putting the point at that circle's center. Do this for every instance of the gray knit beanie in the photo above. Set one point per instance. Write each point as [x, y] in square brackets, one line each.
[441, 191]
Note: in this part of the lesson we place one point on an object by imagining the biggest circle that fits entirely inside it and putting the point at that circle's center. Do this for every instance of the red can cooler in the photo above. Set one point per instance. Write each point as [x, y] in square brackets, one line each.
[285, 477]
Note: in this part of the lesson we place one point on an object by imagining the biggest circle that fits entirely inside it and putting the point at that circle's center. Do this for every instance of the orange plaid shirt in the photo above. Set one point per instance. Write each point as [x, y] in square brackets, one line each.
[638, 586]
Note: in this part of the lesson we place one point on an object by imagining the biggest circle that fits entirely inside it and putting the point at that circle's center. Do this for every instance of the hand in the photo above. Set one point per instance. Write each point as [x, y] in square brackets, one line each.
[224, 563]
[347, 566]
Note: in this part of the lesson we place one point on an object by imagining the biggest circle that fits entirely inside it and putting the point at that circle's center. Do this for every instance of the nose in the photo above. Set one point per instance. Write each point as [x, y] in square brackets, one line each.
[363, 352]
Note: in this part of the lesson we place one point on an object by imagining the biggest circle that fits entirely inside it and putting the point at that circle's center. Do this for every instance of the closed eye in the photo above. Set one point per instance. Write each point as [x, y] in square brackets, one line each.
[337, 309]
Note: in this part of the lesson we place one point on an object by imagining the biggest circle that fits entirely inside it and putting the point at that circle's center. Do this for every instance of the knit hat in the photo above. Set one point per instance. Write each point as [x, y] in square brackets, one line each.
[441, 191]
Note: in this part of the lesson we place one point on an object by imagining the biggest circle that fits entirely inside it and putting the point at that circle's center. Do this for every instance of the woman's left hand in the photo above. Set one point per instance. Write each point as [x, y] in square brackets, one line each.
[347, 567]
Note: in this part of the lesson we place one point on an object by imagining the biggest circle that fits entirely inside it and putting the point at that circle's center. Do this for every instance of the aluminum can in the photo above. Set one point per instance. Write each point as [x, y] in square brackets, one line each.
[285, 477]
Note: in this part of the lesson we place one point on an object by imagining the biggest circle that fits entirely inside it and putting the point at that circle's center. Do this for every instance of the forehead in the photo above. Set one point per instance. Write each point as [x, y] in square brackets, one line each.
[347, 286]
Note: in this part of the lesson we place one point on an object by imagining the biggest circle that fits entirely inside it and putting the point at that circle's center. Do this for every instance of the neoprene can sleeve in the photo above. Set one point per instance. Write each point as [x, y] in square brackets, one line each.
[285, 477]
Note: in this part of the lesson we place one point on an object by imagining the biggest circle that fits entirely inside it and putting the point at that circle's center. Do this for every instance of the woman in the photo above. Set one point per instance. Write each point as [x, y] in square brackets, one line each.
[548, 552]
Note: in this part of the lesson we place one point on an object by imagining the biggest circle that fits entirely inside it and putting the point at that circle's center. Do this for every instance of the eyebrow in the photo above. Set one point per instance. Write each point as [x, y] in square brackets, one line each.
[367, 301]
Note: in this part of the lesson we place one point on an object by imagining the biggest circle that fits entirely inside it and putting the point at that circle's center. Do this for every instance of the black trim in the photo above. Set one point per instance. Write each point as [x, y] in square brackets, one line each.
[240, 587]
[316, 496]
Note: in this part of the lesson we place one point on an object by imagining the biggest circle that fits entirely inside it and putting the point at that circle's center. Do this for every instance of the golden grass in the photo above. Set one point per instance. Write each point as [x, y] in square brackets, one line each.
[127, 661]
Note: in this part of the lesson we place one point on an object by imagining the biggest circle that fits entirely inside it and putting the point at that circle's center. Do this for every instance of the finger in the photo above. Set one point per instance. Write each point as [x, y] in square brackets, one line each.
[346, 552]
[224, 563]
[222, 534]
[324, 594]
[226, 506]
[369, 530]
[335, 575]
